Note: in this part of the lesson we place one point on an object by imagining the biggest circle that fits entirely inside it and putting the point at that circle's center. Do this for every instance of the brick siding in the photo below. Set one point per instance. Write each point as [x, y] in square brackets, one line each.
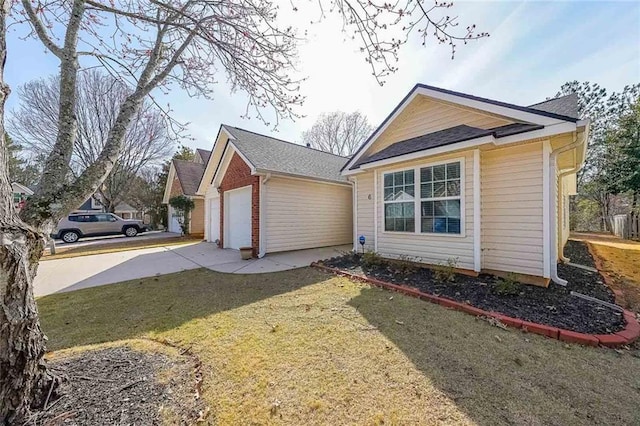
[238, 174]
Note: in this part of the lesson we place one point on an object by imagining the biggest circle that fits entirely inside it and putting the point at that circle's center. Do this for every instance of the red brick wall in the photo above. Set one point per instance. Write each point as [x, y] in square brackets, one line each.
[238, 174]
[176, 188]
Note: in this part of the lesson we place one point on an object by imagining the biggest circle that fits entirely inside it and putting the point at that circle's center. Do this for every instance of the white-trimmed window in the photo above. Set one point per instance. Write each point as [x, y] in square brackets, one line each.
[399, 201]
[440, 199]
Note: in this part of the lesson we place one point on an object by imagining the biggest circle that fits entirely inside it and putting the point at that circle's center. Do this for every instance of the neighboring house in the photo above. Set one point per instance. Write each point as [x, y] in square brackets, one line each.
[183, 179]
[92, 204]
[452, 176]
[20, 194]
[274, 195]
[127, 211]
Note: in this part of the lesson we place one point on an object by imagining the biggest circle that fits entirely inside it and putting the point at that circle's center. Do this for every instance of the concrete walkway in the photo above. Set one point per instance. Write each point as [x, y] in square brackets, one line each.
[61, 275]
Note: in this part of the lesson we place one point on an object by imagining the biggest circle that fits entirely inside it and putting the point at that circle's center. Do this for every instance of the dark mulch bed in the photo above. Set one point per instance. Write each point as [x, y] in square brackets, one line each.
[578, 253]
[121, 386]
[553, 306]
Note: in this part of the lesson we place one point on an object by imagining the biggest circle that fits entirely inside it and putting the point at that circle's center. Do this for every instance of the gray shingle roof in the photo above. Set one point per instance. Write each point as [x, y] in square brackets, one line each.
[189, 173]
[565, 105]
[275, 155]
[204, 155]
[444, 137]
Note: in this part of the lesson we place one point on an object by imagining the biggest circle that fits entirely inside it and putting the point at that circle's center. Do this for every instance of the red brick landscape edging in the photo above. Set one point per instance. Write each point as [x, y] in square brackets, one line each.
[624, 337]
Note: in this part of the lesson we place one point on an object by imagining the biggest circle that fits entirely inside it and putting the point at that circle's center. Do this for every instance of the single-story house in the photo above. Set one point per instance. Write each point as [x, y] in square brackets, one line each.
[449, 175]
[91, 204]
[183, 179]
[20, 194]
[127, 211]
[272, 195]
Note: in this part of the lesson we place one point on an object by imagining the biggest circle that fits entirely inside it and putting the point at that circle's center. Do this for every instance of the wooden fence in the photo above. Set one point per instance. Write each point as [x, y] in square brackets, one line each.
[627, 225]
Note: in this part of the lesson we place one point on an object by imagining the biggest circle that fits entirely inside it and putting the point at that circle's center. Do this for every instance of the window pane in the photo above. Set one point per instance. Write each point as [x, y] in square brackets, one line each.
[409, 225]
[427, 224]
[453, 171]
[410, 189]
[440, 208]
[439, 189]
[398, 179]
[425, 174]
[427, 208]
[440, 225]
[399, 186]
[426, 190]
[399, 217]
[453, 225]
[453, 188]
[439, 172]
[453, 208]
[408, 177]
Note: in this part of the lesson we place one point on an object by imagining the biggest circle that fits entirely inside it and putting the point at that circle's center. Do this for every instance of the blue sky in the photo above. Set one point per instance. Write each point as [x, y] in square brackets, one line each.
[533, 49]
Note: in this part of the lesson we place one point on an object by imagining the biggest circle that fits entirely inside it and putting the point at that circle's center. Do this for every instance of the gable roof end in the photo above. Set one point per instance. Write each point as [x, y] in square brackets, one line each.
[444, 137]
[204, 155]
[545, 112]
[189, 174]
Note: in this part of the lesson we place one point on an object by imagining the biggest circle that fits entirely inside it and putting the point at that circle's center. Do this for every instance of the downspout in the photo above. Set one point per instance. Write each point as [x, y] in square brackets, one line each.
[354, 215]
[553, 206]
[263, 226]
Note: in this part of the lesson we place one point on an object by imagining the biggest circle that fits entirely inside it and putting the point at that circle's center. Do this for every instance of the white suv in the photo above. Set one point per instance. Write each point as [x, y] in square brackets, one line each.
[78, 225]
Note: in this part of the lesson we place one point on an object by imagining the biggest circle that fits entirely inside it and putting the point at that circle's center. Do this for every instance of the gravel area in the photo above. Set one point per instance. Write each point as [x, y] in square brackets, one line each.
[578, 253]
[553, 306]
[121, 386]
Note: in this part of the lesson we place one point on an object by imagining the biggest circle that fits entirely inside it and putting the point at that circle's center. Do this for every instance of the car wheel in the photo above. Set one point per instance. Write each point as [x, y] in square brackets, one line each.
[131, 231]
[70, 236]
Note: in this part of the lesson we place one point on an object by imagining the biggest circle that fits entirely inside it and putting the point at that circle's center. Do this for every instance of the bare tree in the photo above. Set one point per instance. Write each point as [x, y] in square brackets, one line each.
[148, 140]
[151, 45]
[338, 132]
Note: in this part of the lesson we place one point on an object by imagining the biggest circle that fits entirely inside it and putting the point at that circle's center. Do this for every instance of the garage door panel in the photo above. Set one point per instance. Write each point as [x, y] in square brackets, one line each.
[238, 218]
[214, 219]
[174, 224]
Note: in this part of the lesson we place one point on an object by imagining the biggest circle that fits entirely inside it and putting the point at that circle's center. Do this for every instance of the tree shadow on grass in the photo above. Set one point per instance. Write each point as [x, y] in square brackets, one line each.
[501, 376]
[134, 308]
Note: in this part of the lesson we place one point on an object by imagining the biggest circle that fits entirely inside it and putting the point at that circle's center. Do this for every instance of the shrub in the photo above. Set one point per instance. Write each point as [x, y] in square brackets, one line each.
[404, 265]
[446, 272]
[508, 286]
[371, 259]
[183, 206]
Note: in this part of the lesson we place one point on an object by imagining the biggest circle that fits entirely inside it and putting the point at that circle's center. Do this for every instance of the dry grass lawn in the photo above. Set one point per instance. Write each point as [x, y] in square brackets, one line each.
[124, 245]
[621, 260]
[302, 348]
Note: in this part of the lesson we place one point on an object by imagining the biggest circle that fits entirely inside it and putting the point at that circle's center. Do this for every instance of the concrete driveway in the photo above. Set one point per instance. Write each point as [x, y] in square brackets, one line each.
[89, 271]
[111, 239]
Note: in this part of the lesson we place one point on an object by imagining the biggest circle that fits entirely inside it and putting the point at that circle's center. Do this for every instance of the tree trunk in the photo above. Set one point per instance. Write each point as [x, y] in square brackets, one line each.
[25, 380]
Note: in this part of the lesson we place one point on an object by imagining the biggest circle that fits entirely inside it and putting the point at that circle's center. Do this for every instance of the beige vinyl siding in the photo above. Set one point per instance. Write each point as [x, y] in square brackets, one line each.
[425, 115]
[301, 214]
[430, 248]
[197, 217]
[512, 229]
[364, 214]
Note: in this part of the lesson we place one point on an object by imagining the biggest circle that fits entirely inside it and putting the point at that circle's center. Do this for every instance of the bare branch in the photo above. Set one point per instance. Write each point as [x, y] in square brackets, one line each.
[36, 23]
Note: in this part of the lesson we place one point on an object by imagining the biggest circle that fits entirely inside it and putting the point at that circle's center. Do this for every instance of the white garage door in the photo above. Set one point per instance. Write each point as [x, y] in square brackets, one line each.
[174, 225]
[238, 218]
[214, 219]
